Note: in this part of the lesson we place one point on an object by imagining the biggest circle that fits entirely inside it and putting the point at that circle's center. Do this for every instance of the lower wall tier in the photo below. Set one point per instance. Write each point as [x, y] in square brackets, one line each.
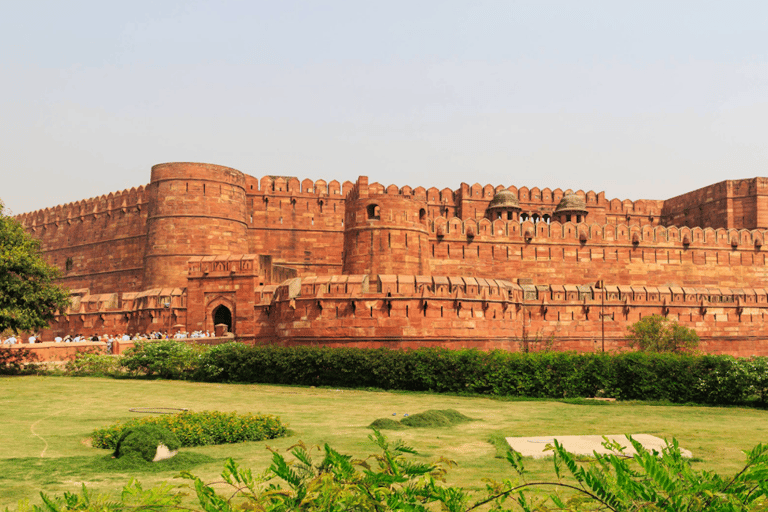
[419, 311]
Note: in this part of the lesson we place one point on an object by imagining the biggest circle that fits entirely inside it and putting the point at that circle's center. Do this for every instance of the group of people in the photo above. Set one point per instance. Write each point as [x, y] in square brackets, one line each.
[107, 338]
[195, 334]
[14, 339]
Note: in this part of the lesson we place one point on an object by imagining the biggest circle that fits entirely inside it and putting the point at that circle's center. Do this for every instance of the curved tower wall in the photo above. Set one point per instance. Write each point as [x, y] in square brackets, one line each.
[385, 234]
[194, 209]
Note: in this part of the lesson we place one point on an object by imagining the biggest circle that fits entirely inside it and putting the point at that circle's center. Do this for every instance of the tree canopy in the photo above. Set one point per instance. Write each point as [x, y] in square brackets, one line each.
[29, 297]
[657, 333]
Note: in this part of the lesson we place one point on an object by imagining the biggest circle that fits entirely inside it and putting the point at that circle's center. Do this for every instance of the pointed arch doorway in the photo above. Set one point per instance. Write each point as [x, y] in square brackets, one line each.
[222, 315]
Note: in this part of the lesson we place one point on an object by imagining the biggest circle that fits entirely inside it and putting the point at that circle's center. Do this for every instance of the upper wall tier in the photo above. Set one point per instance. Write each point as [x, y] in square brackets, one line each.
[732, 203]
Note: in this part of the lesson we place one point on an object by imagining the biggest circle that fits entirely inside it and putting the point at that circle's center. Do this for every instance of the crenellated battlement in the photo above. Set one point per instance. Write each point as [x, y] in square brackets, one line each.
[290, 185]
[125, 201]
[505, 292]
[484, 230]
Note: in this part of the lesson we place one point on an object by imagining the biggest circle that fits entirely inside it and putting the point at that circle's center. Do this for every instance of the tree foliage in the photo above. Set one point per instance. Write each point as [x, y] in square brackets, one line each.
[29, 298]
[658, 333]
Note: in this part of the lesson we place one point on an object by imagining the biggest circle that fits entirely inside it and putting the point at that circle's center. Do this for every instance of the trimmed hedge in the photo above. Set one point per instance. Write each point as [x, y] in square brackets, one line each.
[705, 379]
[199, 428]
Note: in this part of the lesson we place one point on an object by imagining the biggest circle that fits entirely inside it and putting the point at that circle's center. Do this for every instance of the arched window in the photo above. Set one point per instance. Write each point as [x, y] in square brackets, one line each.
[374, 212]
[422, 215]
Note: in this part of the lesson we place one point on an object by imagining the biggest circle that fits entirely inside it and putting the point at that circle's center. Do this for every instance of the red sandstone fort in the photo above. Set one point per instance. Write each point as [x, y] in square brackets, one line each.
[280, 260]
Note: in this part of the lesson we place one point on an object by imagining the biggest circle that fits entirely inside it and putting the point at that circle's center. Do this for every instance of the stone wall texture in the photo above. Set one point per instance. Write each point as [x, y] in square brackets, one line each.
[292, 262]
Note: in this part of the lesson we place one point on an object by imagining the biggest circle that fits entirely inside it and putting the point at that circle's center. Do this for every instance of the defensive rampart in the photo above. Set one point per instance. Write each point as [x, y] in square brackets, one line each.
[299, 224]
[414, 311]
[582, 253]
[282, 260]
[97, 243]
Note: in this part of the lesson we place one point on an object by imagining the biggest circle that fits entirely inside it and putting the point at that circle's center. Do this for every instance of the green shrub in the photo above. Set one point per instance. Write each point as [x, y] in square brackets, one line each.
[142, 441]
[167, 359]
[630, 376]
[672, 377]
[658, 333]
[13, 361]
[94, 365]
[199, 428]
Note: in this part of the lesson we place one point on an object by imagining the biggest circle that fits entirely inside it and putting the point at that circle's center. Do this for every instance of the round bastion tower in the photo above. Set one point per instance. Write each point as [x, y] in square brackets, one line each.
[194, 210]
[385, 233]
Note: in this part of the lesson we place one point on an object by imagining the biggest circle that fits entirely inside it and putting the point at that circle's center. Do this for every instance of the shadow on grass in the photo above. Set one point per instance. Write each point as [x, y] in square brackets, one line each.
[54, 469]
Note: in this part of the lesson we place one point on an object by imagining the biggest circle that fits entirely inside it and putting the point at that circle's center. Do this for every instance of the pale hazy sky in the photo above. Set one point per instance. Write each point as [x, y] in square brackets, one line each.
[638, 99]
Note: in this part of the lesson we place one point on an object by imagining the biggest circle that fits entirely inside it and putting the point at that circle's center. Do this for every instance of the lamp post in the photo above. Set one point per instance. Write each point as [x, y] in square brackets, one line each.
[600, 285]
[167, 305]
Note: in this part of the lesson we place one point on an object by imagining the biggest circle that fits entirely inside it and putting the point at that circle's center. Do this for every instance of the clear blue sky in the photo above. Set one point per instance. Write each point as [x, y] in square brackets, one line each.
[638, 99]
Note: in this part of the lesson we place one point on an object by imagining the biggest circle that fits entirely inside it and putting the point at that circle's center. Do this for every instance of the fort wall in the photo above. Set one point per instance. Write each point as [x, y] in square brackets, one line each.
[102, 243]
[323, 262]
[740, 204]
[408, 311]
[299, 224]
[582, 253]
[97, 243]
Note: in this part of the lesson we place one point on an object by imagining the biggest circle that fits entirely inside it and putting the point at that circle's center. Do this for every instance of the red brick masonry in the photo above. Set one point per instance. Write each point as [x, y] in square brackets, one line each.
[323, 262]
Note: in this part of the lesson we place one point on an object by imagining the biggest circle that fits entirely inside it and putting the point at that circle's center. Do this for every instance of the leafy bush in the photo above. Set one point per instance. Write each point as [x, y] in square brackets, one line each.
[93, 364]
[755, 371]
[669, 377]
[14, 361]
[142, 441]
[658, 333]
[167, 359]
[672, 377]
[199, 428]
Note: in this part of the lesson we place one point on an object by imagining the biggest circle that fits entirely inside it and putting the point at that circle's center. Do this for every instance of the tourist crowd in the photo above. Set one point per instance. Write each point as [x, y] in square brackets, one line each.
[107, 338]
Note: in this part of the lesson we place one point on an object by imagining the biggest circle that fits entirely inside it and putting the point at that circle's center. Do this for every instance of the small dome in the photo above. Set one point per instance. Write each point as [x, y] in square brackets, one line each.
[504, 199]
[571, 203]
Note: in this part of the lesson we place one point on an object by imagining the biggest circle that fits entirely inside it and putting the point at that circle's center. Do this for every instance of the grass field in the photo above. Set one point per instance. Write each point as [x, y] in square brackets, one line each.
[45, 421]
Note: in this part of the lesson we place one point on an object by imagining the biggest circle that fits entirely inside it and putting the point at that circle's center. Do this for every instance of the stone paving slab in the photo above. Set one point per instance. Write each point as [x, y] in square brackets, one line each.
[584, 445]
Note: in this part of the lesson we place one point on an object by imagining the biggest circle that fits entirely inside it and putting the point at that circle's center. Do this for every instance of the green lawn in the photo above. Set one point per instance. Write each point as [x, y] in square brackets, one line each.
[45, 422]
